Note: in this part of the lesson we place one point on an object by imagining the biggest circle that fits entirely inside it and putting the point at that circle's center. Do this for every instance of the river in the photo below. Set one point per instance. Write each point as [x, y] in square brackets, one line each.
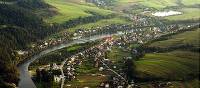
[25, 78]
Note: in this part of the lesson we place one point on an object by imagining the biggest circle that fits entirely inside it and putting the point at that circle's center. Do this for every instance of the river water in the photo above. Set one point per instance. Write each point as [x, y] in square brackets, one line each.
[25, 78]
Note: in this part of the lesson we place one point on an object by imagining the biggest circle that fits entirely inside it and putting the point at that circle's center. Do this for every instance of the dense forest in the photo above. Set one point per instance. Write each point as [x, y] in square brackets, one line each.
[19, 26]
[28, 25]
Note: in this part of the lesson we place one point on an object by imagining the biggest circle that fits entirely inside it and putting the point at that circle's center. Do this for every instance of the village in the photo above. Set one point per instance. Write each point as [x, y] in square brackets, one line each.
[109, 29]
[99, 43]
[97, 57]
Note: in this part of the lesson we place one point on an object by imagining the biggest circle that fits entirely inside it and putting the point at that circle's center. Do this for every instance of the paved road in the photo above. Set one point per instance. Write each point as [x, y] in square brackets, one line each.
[25, 78]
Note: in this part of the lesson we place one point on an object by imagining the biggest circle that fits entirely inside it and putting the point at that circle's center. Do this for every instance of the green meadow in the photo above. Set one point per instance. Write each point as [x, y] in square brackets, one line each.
[190, 2]
[159, 4]
[117, 54]
[173, 65]
[86, 81]
[100, 23]
[178, 66]
[177, 84]
[68, 10]
[188, 14]
[168, 65]
[188, 37]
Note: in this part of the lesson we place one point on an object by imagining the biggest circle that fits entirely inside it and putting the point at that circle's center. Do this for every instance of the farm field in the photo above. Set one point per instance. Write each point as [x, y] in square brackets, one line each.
[86, 81]
[168, 65]
[188, 14]
[177, 84]
[188, 37]
[158, 4]
[176, 65]
[190, 2]
[68, 10]
[117, 54]
[100, 23]
[150, 3]
[99, 43]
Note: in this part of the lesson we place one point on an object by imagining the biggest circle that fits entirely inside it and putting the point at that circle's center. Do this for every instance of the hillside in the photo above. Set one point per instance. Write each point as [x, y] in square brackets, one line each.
[171, 58]
[68, 10]
[177, 64]
[159, 4]
[19, 26]
[28, 27]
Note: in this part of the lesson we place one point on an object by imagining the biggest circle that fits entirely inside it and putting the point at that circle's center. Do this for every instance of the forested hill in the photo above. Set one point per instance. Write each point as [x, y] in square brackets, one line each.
[19, 26]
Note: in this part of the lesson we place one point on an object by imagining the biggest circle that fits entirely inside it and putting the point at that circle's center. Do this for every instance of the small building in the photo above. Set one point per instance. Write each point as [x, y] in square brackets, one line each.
[57, 78]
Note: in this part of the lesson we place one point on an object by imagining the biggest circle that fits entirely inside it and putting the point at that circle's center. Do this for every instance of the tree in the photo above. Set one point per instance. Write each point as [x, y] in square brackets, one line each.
[129, 69]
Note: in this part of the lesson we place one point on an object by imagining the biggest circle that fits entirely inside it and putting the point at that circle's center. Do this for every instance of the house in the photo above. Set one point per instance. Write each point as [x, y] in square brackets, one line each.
[55, 66]
[57, 78]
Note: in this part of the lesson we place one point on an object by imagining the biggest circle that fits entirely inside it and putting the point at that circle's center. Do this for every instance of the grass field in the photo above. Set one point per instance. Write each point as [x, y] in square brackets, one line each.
[158, 4]
[188, 13]
[169, 65]
[100, 23]
[174, 65]
[189, 37]
[117, 54]
[86, 81]
[190, 2]
[73, 48]
[68, 10]
[177, 84]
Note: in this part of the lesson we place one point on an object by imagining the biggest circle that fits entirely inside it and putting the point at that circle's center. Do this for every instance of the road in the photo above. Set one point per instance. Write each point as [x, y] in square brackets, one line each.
[25, 78]
[64, 62]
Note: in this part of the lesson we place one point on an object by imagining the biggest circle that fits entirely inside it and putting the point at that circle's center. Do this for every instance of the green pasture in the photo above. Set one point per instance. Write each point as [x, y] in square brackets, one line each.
[68, 10]
[168, 65]
[188, 37]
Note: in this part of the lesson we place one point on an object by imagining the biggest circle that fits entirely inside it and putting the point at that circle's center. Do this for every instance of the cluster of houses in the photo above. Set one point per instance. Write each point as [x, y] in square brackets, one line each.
[98, 55]
[98, 52]
[49, 68]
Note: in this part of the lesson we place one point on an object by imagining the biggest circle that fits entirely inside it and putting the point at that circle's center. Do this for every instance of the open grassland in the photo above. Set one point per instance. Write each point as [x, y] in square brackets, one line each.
[169, 65]
[86, 81]
[67, 10]
[190, 2]
[158, 4]
[89, 26]
[117, 54]
[188, 37]
[188, 14]
[189, 84]
[173, 65]
[177, 84]
[100, 23]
